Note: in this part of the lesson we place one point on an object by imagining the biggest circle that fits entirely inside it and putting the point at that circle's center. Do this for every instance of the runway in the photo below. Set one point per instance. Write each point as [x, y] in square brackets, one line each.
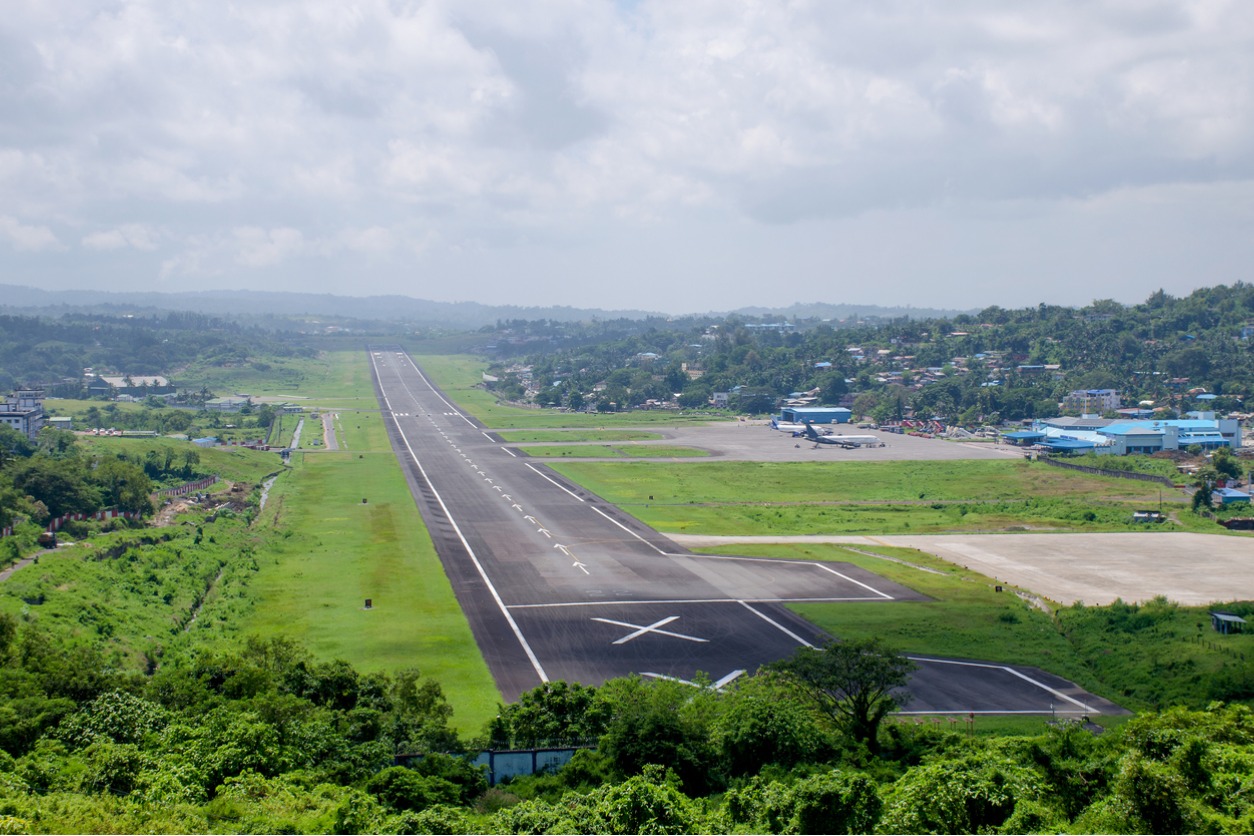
[558, 584]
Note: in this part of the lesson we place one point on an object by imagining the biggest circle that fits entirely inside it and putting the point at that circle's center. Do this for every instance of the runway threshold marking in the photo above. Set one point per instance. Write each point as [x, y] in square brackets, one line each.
[496, 596]
[640, 630]
[776, 624]
[1005, 668]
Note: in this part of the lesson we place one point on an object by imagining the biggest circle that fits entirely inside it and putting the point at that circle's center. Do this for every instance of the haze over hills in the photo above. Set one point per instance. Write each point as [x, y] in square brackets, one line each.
[18, 298]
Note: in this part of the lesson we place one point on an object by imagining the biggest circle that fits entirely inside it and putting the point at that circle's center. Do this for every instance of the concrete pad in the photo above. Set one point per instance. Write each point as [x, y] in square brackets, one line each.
[1191, 569]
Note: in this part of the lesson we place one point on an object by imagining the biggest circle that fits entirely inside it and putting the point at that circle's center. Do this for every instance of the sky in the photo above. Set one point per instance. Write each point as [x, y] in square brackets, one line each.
[678, 156]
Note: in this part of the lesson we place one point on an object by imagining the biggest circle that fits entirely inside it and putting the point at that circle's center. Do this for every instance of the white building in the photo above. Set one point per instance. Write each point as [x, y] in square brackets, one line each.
[24, 412]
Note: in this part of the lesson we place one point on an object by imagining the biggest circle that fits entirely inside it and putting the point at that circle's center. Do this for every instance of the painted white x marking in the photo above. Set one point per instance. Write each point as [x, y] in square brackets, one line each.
[652, 628]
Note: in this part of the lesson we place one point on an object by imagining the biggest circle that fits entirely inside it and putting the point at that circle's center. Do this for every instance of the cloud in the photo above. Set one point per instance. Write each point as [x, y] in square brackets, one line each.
[27, 237]
[258, 136]
[134, 236]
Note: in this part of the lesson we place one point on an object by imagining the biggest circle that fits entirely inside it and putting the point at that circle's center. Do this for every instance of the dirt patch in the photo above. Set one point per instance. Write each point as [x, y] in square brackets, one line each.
[234, 499]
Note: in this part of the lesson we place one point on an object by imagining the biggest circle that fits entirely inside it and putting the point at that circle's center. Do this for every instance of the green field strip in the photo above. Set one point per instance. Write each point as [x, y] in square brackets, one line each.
[460, 377]
[638, 451]
[573, 436]
[333, 551]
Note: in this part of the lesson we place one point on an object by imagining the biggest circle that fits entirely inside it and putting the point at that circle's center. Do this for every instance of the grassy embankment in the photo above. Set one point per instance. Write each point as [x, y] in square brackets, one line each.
[140, 592]
[302, 570]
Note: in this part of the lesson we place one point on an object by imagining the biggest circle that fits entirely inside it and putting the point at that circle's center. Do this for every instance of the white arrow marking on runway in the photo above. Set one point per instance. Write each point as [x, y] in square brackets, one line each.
[531, 519]
[515, 505]
[582, 567]
[640, 630]
[564, 549]
[507, 496]
[487, 479]
[498, 487]
[545, 532]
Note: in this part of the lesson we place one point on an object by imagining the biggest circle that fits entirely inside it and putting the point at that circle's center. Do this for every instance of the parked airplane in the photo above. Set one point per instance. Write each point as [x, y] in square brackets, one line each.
[846, 441]
[787, 426]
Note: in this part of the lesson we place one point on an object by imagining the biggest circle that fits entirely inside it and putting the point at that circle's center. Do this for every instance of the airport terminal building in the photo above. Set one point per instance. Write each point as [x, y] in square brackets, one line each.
[1120, 437]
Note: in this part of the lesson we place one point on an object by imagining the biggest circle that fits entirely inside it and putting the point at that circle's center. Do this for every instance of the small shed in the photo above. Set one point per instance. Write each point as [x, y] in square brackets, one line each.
[1226, 622]
[1230, 496]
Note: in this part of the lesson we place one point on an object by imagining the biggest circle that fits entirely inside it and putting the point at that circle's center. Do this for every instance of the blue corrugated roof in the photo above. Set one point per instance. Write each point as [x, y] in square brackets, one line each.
[1069, 444]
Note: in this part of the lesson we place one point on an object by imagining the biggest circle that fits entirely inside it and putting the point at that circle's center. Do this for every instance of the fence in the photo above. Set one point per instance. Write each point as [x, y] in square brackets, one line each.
[107, 514]
[183, 490]
[1119, 474]
[503, 764]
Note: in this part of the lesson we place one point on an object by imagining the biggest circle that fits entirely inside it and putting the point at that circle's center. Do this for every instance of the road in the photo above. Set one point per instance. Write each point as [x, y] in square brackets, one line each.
[558, 584]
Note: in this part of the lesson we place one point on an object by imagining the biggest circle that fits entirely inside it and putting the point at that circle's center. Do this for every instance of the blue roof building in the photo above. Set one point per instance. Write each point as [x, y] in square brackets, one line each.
[816, 414]
[1229, 496]
[1137, 437]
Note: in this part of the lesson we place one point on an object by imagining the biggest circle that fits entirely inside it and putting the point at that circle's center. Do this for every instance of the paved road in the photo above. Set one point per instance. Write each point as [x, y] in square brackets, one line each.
[558, 584]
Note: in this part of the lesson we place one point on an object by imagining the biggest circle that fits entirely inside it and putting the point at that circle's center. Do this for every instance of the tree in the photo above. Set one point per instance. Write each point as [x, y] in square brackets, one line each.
[855, 683]
[554, 711]
[1226, 464]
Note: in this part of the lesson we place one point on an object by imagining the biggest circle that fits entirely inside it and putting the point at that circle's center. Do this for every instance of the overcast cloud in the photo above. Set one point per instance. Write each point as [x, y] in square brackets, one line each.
[674, 156]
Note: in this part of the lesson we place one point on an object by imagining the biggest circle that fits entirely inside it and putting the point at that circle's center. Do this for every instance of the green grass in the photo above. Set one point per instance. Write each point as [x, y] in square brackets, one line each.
[76, 408]
[1146, 656]
[236, 464]
[138, 602]
[460, 377]
[966, 619]
[893, 481]
[332, 551]
[870, 497]
[571, 436]
[636, 451]
[332, 376]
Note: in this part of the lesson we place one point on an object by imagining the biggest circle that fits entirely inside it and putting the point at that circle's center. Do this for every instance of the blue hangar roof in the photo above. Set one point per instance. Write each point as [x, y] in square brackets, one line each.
[1023, 435]
[1069, 444]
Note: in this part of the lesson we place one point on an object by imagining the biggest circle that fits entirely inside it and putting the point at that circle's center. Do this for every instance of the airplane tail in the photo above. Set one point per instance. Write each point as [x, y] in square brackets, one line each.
[810, 433]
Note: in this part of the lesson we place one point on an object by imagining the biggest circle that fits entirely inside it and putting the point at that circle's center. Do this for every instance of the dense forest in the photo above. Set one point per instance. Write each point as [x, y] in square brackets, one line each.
[42, 351]
[265, 740]
[996, 365]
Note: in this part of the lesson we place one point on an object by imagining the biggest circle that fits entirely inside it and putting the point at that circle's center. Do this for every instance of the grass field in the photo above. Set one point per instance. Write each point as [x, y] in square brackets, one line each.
[237, 464]
[332, 551]
[460, 377]
[331, 377]
[869, 497]
[572, 436]
[636, 451]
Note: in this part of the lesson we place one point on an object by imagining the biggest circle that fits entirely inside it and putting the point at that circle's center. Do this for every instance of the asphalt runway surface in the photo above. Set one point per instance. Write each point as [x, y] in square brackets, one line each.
[559, 584]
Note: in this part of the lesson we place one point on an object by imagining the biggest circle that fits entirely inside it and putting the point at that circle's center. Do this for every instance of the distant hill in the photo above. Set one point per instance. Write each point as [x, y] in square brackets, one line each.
[18, 299]
[822, 310]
